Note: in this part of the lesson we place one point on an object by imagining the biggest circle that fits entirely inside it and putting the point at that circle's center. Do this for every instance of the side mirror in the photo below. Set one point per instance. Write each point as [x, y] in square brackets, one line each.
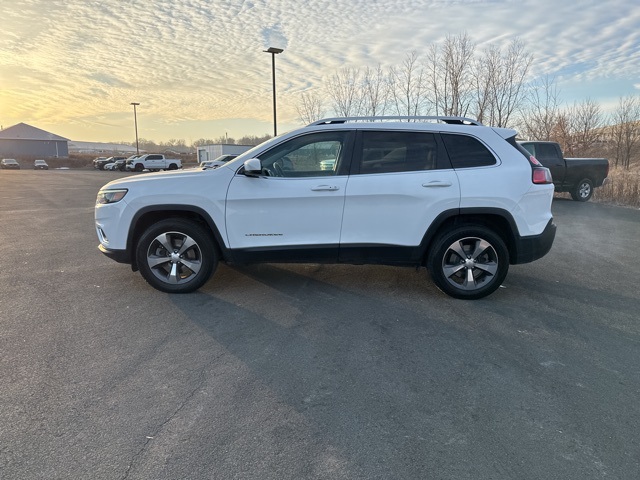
[253, 167]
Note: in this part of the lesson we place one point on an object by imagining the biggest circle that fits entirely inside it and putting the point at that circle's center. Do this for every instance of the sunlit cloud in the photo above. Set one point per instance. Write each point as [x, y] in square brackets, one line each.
[194, 65]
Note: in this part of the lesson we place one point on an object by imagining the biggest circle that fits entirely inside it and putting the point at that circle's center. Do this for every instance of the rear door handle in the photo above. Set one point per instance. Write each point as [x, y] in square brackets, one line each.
[436, 183]
[324, 188]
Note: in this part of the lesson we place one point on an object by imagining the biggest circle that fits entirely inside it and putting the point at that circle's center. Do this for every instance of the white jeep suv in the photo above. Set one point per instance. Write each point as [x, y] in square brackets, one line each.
[447, 193]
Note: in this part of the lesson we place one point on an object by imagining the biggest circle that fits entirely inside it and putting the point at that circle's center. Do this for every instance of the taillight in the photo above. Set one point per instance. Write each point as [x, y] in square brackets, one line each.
[541, 176]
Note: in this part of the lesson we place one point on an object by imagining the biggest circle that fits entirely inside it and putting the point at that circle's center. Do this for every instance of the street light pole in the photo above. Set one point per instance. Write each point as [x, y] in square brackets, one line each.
[135, 121]
[274, 51]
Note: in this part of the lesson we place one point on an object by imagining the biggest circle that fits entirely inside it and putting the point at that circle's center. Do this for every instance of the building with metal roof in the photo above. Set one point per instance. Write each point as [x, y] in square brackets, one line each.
[23, 140]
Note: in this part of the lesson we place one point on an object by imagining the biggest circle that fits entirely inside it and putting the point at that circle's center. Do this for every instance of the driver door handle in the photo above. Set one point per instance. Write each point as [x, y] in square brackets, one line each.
[437, 183]
[321, 188]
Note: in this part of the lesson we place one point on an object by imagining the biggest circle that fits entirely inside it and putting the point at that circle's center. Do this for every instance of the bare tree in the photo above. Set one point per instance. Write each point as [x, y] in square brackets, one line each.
[375, 91]
[585, 121]
[562, 132]
[484, 70]
[625, 130]
[500, 81]
[310, 107]
[449, 75]
[543, 108]
[224, 139]
[449, 82]
[253, 139]
[578, 129]
[202, 141]
[343, 88]
[407, 86]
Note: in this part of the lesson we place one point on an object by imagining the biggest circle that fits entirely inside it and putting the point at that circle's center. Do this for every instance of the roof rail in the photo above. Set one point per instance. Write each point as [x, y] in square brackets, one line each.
[445, 119]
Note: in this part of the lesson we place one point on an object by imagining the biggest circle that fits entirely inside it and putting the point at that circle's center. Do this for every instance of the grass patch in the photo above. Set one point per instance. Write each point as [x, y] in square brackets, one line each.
[623, 188]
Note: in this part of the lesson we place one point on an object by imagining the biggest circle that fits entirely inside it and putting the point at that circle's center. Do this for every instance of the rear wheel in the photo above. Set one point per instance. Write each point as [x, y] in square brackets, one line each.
[583, 190]
[469, 262]
[176, 256]
[173, 166]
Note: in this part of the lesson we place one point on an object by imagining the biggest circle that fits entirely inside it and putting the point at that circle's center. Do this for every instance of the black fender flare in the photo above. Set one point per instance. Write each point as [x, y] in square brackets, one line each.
[137, 224]
[496, 218]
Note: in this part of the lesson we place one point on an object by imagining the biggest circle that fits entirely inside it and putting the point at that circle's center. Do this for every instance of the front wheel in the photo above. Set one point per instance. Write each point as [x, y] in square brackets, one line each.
[176, 256]
[583, 190]
[469, 262]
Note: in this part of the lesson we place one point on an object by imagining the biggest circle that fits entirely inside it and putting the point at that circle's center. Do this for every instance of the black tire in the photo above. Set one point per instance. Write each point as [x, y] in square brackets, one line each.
[139, 167]
[583, 190]
[468, 262]
[176, 256]
[173, 166]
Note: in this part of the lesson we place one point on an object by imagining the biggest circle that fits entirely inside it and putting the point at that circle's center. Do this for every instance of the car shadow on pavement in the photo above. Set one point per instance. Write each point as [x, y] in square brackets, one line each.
[362, 371]
[391, 387]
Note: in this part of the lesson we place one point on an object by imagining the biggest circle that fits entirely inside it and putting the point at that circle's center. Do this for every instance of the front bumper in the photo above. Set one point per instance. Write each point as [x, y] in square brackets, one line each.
[120, 256]
[528, 249]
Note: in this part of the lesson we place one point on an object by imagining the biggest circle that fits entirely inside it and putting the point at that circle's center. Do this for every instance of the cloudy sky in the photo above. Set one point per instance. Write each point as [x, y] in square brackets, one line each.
[198, 69]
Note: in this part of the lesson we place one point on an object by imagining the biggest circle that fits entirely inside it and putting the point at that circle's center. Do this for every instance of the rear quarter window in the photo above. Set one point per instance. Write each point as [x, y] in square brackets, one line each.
[467, 152]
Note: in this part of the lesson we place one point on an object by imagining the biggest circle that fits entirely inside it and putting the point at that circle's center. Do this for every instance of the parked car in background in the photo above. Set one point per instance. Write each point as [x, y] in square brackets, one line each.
[40, 165]
[97, 160]
[111, 166]
[10, 163]
[121, 164]
[153, 162]
[100, 162]
[578, 176]
[218, 162]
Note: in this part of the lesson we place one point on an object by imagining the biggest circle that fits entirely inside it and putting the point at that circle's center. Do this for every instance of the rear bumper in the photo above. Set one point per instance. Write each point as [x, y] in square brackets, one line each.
[532, 248]
[120, 256]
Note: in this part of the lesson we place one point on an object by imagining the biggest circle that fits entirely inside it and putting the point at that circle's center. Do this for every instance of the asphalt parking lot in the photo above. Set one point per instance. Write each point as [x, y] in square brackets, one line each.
[312, 371]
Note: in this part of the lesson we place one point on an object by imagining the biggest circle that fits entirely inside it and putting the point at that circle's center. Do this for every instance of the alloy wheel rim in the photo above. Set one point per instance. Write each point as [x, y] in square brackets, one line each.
[174, 258]
[585, 190]
[470, 263]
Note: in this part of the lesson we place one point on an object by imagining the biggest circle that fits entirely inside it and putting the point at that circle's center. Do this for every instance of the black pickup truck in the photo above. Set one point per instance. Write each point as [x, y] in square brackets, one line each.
[578, 176]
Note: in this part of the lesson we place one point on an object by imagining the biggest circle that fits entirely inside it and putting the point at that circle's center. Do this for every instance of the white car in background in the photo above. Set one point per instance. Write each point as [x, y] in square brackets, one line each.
[218, 162]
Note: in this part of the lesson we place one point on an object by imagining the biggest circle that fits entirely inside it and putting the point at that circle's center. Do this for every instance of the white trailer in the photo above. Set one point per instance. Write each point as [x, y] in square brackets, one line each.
[211, 152]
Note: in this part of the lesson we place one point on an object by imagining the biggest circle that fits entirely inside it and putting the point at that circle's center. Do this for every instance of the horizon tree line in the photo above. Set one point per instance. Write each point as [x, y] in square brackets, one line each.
[494, 86]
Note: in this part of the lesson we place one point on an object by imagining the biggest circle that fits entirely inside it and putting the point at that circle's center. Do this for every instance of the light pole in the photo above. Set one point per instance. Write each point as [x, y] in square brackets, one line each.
[135, 121]
[274, 51]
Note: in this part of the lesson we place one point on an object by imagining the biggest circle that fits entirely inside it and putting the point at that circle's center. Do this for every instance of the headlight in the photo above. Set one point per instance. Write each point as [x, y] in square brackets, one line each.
[111, 196]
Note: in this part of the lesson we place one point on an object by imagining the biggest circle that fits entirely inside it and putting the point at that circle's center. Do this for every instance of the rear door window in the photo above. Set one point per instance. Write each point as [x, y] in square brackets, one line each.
[391, 151]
